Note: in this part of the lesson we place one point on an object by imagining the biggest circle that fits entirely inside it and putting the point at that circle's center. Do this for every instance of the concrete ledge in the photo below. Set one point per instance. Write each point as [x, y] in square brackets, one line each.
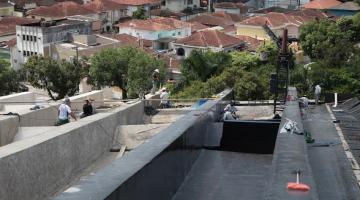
[77, 101]
[8, 128]
[290, 154]
[18, 97]
[36, 168]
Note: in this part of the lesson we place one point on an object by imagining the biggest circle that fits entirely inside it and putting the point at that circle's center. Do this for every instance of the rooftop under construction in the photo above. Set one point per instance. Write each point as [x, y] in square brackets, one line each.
[126, 152]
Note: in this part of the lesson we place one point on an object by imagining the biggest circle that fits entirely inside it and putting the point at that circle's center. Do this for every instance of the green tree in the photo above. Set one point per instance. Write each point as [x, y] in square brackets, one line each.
[110, 66]
[141, 67]
[128, 68]
[140, 13]
[59, 77]
[8, 79]
[326, 40]
[202, 65]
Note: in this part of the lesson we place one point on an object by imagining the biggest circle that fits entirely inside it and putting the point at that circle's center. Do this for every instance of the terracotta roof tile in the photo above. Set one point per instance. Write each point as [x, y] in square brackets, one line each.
[349, 5]
[8, 24]
[229, 16]
[137, 2]
[321, 4]
[104, 5]
[274, 19]
[155, 24]
[61, 10]
[11, 43]
[212, 20]
[251, 44]
[196, 26]
[37, 2]
[210, 38]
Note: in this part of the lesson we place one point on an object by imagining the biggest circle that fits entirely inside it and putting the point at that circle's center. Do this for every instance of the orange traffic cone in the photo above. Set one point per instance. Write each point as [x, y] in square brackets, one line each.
[298, 186]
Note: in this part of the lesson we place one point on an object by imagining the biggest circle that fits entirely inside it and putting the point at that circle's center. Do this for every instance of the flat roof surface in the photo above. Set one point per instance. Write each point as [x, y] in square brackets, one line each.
[220, 175]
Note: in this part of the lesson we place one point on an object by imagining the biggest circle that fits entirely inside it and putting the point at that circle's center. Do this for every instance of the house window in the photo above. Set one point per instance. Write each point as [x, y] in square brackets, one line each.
[163, 3]
[24, 53]
[173, 34]
[24, 37]
[31, 38]
[190, 1]
[34, 38]
[179, 33]
[27, 38]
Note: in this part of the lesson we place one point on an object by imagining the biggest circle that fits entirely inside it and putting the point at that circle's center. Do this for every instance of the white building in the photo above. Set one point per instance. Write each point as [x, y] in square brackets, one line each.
[133, 5]
[35, 38]
[179, 5]
[289, 4]
[159, 30]
[206, 40]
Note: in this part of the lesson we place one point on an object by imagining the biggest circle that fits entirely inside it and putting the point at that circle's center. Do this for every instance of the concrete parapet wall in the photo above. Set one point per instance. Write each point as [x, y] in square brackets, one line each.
[9, 126]
[43, 117]
[36, 168]
[18, 97]
[290, 154]
[155, 169]
[77, 101]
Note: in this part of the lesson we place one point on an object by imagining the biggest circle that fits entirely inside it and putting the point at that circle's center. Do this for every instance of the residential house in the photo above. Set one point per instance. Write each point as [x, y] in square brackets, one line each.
[81, 46]
[206, 40]
[213, 20]
[288, 4]
[8, 26]
[6, 9]
[159, 30]
[253, 26]
[179, 5]
[321, 4]
[109, 12]
[22, 6]
[230, 7]
[348, 8]
[59, 11]
[250, 44]
[168, 13]
[196, 26]
[133, 5]
[36, 38]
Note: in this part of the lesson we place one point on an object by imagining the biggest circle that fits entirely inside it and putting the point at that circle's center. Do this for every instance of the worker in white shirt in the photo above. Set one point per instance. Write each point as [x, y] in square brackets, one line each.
[164, 96]
[317, 94]
[64, 112]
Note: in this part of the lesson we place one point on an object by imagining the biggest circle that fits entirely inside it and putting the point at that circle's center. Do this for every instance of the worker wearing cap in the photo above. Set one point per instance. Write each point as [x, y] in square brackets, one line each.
[155, 80]
[64, 112]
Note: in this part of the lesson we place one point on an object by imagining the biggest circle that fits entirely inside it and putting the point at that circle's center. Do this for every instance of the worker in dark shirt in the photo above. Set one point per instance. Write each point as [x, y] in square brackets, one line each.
[87, 109]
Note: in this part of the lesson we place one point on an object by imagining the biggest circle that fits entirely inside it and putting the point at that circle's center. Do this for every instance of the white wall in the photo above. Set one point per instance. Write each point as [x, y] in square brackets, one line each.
[226, 10]
[155, 35]
[179, 5]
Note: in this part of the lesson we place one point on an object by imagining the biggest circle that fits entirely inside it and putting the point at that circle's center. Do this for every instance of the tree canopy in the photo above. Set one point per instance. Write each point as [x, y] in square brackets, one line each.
[140, 13]
[60, 77]
[8, 78]
[128, 68]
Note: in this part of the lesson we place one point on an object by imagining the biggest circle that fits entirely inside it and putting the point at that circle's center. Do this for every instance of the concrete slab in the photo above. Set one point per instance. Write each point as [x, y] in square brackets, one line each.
[219, 175]
[132, 136]
[28, 132]
[255, 112]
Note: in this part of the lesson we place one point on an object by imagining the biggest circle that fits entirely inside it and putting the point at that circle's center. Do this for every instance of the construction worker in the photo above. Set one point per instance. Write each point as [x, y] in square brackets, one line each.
[87, 109]
[64, 112]
[155, 80]
[230, 111]
[164, 96]
[317, 94]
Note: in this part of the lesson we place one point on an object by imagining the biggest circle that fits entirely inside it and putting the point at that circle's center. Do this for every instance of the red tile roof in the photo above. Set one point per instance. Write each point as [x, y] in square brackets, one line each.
[321, 4]
[251, 44]
[37, 2]
[349, 5]
[229, 16]
[137, 2]
[212, 20]
[155, 24]
[61, 10]
[8, 24]
[210, 38]
[104, 5]
[11, 43]
[274, 19]
[196, 26]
